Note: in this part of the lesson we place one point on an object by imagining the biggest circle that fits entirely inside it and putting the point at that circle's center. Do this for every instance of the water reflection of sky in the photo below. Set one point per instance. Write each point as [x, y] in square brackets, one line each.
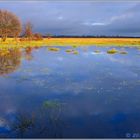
[100, 90]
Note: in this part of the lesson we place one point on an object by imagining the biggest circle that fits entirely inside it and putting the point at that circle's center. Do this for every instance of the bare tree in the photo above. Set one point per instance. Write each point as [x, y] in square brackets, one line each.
[10, 25]
[28, 31]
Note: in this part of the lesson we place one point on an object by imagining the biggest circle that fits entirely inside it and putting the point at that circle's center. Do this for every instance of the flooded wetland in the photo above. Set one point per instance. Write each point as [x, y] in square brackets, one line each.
[70, 92]
[69, 69]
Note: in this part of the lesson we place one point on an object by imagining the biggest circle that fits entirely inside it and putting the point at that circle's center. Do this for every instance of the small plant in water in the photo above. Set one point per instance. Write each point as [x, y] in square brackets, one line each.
[74, 46]
[75, 52]
[97, 51]
[112, 51]
[53, 49]
[51, 104]
[69, 50]
[123, 52]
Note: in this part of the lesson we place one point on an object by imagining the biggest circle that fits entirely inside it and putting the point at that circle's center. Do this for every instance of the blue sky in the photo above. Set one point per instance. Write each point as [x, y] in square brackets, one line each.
[79, 17]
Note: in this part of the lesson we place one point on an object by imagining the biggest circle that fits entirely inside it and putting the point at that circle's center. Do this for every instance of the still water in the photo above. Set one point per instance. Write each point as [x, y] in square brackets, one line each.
[57, 94]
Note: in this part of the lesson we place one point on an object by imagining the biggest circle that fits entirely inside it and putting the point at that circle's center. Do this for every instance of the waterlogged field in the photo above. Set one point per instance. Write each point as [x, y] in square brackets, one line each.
[118, 42]
[70, 92]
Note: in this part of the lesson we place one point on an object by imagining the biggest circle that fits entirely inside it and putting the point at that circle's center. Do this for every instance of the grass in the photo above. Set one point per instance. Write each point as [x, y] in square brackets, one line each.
[75, 52]
[54, 49]
[97, 51]
[123, 52]
[74, 42]
[69, 50]
[112, 51]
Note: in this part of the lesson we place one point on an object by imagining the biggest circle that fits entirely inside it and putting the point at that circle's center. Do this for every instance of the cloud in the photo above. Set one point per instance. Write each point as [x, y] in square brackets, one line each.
[60, 17]
[94, 23]
[98, 24]
[121, 17]
[79, 18]
[127, 23]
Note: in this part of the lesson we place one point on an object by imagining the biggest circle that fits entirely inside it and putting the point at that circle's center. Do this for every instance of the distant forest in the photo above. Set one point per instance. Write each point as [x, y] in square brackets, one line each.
[88, 36]
[82, 36]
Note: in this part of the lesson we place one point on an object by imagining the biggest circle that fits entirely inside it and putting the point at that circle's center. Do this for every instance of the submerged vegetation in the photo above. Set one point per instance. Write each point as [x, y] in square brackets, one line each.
[45, 121]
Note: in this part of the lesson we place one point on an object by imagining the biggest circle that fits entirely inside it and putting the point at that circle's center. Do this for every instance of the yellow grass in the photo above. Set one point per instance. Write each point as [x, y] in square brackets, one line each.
[112, 51]
[74, 42]
[53, 49]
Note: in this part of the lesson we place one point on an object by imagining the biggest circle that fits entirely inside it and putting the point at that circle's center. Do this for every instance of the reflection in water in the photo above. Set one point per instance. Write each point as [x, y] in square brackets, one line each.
[100, 92]
[10, 61]
[28, 53]
[22, 124]
[45, 121]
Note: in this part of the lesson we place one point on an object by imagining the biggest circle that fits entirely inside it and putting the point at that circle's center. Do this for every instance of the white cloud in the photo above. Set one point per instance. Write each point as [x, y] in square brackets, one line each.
[98, 24]
[110, 21]
[60, 17]
[94, 23]
[121, 17]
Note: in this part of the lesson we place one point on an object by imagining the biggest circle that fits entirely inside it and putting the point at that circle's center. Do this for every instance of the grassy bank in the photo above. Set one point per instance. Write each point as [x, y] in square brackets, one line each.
[75, 42]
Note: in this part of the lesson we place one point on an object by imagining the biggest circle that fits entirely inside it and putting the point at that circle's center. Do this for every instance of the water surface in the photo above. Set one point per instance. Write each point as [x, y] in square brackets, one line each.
[56, 94]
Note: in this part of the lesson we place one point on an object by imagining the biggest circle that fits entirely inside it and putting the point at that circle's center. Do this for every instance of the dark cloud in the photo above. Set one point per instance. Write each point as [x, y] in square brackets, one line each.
[79, 18]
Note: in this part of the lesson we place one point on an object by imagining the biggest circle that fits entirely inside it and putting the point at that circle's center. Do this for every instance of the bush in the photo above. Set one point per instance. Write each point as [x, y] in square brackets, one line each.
[37, 36]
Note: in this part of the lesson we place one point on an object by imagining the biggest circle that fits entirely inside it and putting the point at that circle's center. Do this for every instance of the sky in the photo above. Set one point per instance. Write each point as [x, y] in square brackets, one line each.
[79, 17]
